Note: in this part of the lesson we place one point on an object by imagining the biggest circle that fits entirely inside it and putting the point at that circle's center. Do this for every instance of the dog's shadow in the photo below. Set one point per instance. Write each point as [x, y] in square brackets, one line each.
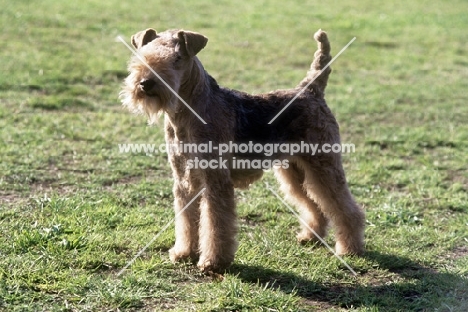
[408, 285]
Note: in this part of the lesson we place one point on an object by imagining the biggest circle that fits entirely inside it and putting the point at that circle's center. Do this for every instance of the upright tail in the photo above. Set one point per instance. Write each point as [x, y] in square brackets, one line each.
[321, 58]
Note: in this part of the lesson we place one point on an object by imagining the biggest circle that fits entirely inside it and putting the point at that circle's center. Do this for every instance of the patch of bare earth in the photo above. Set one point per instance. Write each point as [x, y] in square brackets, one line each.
[46, 188]
[459, 252]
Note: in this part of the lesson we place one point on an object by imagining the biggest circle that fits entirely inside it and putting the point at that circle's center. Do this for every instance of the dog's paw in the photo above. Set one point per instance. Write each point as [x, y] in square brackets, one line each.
[208, 266]
[177, 255]
[347, 248]
[306, 236]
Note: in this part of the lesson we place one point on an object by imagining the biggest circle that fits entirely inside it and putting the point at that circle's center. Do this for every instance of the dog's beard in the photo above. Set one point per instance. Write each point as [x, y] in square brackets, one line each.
[139, 102]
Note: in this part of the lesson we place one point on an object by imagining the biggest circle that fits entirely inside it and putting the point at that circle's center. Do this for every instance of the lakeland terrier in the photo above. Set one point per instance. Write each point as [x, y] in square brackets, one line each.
[315, 184]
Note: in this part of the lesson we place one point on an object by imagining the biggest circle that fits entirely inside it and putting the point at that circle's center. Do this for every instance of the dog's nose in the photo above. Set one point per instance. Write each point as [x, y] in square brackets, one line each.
[147, 84]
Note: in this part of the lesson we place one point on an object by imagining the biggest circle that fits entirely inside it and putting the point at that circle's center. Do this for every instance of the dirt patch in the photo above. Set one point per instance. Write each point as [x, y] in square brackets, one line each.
[39, 189]
[459, 252]
[458, 176]
[12, 199]
[318, 305]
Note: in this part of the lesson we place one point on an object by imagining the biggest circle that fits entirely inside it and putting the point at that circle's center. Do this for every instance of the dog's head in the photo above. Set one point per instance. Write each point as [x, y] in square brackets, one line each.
[163, 62]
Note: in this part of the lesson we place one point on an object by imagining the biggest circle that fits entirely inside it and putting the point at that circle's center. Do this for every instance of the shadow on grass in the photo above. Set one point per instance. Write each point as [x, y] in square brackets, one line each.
[400, 284]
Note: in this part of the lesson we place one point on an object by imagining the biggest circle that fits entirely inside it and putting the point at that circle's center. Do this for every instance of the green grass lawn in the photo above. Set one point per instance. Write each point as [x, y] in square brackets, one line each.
[74, 211]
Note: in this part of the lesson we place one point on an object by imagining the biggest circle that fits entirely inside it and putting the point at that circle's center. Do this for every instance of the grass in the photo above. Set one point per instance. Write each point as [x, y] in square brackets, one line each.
[74, 211]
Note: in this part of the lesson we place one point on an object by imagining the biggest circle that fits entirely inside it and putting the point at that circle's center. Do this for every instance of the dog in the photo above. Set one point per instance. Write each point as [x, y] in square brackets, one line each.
[166, 77]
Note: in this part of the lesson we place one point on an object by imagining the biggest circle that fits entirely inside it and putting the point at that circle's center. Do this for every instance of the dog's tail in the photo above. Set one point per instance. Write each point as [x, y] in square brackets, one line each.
[322, 57]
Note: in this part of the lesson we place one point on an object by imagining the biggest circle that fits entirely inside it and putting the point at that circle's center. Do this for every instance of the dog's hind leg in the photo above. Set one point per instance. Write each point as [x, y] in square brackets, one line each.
[292, 185]
[325, 183]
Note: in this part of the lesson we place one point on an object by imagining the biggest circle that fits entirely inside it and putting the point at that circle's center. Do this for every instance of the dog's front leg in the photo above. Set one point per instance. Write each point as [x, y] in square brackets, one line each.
[218, 224]
[187, 219]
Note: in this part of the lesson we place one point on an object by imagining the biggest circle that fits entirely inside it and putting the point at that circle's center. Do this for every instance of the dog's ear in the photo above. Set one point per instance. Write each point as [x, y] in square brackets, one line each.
[143, 37]
[190, 43]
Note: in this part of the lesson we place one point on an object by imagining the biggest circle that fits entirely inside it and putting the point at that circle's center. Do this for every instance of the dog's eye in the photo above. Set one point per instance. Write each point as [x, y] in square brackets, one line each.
[177, 61]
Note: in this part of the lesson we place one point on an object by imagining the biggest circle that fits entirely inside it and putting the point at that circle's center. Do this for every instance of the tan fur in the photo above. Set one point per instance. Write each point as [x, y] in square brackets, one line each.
[316, 185]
